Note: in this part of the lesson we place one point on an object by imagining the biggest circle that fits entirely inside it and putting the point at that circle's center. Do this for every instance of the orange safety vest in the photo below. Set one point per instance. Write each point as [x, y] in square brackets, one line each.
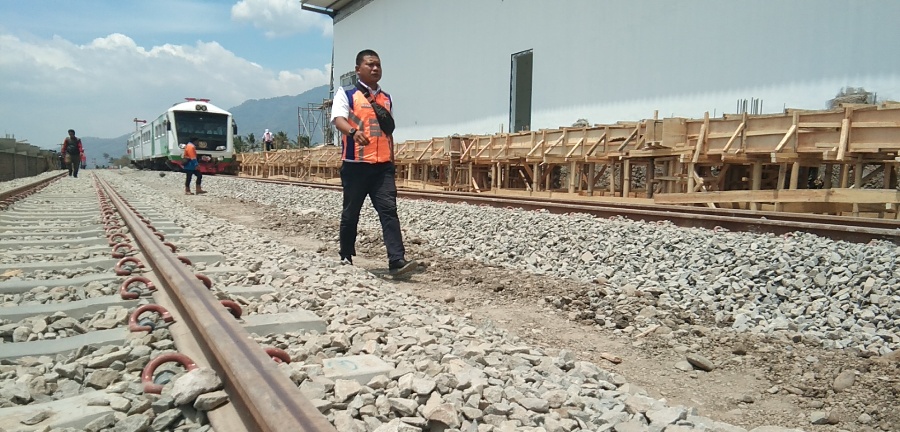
[190, 151]
[362, 117]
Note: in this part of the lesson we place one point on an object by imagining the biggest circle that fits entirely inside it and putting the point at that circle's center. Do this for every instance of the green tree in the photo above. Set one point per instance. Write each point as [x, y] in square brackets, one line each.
[302, 141]
[239, 145]
[246, 144]
[282, 141]
[121, 161]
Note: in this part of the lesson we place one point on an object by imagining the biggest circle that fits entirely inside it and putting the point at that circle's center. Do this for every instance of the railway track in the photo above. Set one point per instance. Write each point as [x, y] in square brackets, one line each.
[444, 370]
[102, 303]
[9, 196]
[852, 229]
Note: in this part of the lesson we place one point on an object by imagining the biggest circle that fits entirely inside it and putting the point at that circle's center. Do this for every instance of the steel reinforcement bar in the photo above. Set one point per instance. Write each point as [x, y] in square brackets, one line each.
[265, 399]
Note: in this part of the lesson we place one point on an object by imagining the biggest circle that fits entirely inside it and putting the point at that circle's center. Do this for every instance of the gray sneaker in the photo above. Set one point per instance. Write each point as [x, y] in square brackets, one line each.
[401, 266]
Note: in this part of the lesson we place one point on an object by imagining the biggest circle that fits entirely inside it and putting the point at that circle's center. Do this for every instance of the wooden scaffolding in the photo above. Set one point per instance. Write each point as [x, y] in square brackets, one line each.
[842, 161]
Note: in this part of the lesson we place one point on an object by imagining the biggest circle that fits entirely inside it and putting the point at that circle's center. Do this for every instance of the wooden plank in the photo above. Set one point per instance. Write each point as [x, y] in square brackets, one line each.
[421, 155]
[630, 137]
[701, 186]
[873, 146]
[819, 125]
[539, 145]
[795, 175]
[765, 132]
[701, 140]
[787, 136]
[858, 174]
[526, 180]
[504, 151]
[865, 179]
[755, 182]
[845, 134]
[467, 148]
[848, 196]
[596, 144]
[782, 176]
[734, 136]
[578, 145]
[876, 124]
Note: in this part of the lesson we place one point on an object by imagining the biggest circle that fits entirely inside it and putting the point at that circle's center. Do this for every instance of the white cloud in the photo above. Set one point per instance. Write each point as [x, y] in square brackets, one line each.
[279, 18]
[98, 88]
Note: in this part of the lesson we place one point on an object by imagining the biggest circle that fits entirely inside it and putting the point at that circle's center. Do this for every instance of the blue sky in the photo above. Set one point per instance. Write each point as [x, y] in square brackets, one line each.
[94, 65]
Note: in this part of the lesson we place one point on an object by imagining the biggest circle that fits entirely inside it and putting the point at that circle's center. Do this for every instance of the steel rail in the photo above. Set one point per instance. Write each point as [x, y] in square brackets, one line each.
[690, 220]
[758, 214]
[264, 397]
[857, 230]
[7, 194]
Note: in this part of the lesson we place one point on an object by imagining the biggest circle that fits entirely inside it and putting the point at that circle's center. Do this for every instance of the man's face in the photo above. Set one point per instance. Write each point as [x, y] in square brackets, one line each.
[71, 134]
[369, 71]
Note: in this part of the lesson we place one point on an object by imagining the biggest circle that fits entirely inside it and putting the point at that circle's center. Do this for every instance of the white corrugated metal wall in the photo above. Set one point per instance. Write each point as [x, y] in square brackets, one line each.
[447, 63]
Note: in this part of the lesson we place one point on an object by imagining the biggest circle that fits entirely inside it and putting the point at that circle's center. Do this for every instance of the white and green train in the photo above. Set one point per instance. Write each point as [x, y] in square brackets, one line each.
[158, 143]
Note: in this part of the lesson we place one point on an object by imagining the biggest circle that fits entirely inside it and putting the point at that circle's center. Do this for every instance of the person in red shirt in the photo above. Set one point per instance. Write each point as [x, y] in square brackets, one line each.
[73, 152]
[191, 167]
[83, 161]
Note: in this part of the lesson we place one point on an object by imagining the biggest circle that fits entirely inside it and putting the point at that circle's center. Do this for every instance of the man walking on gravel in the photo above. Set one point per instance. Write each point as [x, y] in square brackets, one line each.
[72, 151]
[363, 115]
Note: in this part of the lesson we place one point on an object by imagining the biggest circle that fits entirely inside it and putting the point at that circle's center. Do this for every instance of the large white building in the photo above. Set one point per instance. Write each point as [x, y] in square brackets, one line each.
[483, 66]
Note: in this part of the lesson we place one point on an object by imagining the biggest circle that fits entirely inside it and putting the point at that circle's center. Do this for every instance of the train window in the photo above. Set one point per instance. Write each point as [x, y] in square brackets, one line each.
[349, 79]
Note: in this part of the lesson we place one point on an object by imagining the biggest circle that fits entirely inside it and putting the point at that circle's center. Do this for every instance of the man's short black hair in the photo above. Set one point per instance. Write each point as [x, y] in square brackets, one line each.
[364, 53]
[71, 131]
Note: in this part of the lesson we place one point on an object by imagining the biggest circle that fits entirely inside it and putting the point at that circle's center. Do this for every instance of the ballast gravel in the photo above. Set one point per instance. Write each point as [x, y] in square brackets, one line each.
[450, 374]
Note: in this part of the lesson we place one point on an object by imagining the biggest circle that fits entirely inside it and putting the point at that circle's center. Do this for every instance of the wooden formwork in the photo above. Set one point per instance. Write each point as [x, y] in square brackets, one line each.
[805, 161]
[430, 164]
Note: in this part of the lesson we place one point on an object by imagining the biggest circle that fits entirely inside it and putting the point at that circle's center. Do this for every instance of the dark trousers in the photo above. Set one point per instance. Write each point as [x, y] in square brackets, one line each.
[187, 179]
[73, 167]
[376, 181]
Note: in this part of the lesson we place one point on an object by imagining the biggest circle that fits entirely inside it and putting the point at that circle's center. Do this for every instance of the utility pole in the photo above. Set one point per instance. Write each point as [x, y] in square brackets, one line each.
[136, 121]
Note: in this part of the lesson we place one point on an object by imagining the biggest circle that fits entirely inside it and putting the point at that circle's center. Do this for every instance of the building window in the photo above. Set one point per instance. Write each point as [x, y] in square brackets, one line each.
[520, 91]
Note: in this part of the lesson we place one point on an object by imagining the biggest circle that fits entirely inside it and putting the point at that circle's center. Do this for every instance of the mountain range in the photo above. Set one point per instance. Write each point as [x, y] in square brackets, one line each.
[278, 114]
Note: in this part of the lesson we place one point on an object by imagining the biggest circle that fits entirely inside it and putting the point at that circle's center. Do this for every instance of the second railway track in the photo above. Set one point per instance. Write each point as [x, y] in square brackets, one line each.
[854, 229]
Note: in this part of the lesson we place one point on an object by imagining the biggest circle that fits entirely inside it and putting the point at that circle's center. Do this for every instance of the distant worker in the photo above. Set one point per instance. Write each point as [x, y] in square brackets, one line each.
[269, 140]
[191, 167]
[73, 151]
[83, 161]
[363, 114]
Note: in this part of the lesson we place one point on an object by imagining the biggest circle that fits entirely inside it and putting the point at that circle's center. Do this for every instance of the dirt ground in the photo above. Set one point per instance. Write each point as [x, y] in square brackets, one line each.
[757, 380]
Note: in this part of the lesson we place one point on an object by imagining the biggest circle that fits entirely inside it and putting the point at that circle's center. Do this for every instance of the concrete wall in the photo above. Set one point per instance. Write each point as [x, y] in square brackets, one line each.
[19, 160]
[447, 63]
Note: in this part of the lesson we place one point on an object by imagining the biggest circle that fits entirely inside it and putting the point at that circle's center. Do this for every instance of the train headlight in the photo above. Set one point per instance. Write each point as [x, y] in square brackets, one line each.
[220, 148]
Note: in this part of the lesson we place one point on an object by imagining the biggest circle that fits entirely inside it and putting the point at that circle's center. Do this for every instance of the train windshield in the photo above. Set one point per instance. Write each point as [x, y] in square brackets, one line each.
[211, 129]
